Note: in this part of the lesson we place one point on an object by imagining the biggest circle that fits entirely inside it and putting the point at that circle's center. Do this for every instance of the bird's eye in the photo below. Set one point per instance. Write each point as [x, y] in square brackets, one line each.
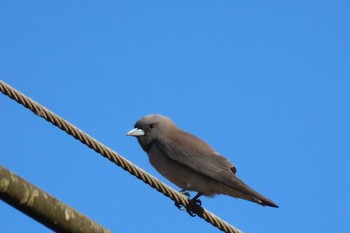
[151, 126]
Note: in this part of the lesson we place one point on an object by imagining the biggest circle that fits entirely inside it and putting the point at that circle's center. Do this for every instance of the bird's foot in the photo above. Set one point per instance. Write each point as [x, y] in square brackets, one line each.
[196, 201]
[187, 195]
[194, 206]
[179, 206]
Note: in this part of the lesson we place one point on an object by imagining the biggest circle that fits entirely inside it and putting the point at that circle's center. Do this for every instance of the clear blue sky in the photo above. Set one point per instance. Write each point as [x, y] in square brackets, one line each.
[266, 83]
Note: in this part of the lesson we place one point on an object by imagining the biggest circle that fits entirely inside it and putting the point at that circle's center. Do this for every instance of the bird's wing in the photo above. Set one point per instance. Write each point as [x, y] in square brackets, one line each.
[191, 151]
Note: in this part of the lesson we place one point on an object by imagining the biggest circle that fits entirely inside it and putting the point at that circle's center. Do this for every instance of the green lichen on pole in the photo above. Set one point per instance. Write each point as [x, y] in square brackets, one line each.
[43, 207]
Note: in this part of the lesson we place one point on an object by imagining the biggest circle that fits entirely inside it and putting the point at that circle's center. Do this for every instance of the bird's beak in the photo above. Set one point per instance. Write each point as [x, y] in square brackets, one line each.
[136, 132]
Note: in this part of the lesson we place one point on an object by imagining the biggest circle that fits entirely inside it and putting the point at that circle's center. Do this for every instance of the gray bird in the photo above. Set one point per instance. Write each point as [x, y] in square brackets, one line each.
[189, 162]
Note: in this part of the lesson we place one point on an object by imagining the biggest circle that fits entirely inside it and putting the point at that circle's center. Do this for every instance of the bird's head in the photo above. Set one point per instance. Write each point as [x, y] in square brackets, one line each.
[149, 128]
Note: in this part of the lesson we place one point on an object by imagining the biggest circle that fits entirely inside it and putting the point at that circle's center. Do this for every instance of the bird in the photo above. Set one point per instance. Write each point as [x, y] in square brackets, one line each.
[189, 162]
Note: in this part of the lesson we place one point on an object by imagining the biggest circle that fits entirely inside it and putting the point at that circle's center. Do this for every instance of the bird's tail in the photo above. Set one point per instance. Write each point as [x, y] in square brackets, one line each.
[245, 192]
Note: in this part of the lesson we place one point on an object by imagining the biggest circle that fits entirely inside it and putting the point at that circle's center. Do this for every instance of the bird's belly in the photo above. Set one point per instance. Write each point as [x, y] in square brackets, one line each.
[181, 175]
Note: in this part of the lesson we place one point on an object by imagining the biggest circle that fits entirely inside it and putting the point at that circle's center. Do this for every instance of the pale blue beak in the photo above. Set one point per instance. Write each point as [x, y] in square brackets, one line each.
[136, 132]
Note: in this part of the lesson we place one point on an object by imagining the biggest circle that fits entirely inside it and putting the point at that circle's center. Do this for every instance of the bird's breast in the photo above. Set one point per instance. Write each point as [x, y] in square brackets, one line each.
[170, 169]
[181, 175]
